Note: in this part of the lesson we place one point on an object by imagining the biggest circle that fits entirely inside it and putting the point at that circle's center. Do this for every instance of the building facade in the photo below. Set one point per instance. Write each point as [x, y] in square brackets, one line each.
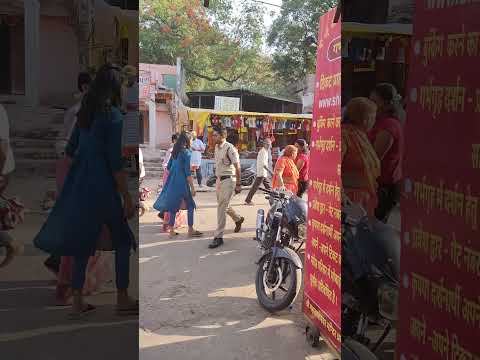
[157, 94]
[48, 42]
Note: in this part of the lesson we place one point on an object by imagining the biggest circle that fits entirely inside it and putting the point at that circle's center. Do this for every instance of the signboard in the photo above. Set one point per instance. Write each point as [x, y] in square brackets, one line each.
[224, 103]
[322, 288]
[144, 80]
[440, 266]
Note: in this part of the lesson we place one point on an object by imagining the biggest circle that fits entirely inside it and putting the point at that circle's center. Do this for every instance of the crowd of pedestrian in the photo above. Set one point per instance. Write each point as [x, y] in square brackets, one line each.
[183, 160]
[372, 151]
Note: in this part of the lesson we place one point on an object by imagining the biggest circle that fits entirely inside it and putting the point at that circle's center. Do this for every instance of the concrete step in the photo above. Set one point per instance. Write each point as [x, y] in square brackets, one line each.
[25, 143]
[35, 154]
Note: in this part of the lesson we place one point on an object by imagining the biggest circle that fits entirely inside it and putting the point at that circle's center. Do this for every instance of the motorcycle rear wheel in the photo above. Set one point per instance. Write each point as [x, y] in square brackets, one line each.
[274, 304]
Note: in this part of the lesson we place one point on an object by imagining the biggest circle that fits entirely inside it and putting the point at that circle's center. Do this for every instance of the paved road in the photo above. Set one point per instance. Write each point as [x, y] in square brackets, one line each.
[31, 327]
[201, 304]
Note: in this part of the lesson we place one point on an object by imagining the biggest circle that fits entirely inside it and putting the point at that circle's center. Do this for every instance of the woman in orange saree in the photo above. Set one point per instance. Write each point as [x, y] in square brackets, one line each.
[286, 172]
[360, 163]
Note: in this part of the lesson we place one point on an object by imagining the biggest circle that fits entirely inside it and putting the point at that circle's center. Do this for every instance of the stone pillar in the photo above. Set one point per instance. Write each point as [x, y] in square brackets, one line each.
[84, 13]
[32, 51]
[152, 124]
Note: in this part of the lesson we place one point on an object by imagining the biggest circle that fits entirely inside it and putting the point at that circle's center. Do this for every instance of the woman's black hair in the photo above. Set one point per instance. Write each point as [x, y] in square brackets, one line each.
[303, 145]
[386, 91]
[103, 94]
[183, 142]
[174, 138]
[389, 95]
[83, 79]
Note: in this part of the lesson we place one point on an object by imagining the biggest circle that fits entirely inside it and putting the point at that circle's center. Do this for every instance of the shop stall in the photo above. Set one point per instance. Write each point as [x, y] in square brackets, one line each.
[247, 128]
[374, 53]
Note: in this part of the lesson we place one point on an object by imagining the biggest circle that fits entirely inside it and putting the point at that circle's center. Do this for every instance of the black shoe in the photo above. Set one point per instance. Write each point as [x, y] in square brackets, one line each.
[215, 243]
[238, 225]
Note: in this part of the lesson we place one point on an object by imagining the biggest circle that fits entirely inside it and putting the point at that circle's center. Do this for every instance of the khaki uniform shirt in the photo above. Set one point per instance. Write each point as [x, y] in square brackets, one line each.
[225, 156]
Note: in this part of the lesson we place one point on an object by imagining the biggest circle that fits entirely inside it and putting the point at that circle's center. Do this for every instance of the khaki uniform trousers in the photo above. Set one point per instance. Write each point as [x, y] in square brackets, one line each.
[225, 192]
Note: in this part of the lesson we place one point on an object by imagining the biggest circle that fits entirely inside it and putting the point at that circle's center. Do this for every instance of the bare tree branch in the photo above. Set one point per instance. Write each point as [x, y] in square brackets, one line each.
[216, 78]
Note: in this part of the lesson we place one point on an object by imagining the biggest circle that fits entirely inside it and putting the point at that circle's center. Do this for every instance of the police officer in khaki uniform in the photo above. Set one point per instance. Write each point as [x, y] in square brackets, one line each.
[227, 171]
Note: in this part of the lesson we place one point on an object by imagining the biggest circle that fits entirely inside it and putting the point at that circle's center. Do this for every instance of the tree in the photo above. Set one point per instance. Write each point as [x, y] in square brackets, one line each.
[293, 58]
[219, 48]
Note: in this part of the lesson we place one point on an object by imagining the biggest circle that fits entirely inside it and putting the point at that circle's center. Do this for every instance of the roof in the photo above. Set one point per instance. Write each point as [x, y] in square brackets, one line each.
[229, 91]
[390, 29]
[158, 68]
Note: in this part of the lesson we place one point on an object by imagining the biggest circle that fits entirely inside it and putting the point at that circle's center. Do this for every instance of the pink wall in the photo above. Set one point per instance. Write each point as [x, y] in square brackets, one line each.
[59, 64]
[156, 73]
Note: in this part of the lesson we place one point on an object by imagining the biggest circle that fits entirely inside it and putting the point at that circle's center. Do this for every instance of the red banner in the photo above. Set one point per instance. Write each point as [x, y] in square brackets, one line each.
[322, 296]
[440, 270]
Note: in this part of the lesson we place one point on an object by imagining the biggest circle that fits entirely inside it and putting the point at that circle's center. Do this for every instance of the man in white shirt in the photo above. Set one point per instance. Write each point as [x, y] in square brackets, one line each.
[7, 163]
[262, 172]
[198, 148]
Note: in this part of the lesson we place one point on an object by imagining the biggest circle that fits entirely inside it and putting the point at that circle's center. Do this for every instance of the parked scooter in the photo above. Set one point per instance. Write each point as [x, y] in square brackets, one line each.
[279, 275]
[370, 275]
[247, 176]
[144, 195]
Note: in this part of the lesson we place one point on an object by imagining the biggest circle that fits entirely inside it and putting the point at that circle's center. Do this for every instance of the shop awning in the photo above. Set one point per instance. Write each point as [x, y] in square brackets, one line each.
[387, 29]
[193, 113]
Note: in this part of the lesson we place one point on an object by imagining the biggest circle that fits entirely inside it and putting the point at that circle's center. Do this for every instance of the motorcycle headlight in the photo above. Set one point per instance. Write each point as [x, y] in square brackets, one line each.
[302, 231]
[388, 301]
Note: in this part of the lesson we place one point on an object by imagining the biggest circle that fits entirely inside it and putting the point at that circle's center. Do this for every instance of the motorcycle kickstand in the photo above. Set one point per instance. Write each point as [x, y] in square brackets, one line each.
[380, 340]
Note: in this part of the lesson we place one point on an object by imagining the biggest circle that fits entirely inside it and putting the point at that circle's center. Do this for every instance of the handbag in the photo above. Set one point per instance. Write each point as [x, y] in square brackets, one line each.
[12, 213]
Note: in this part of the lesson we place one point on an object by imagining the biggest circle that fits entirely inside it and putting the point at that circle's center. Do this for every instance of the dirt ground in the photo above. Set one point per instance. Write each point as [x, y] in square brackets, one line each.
[198, 303]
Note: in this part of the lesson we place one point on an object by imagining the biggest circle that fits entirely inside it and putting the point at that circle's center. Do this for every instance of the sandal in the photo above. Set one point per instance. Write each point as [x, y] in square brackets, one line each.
[173, 234]
[195, 233]
[87, 309]
[131, 310]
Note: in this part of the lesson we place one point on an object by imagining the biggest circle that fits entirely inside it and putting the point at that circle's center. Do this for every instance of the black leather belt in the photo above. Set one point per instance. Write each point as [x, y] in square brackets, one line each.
[225, 177]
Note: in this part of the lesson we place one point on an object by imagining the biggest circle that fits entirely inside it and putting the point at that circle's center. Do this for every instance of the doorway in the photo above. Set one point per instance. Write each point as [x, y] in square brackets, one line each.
[5, 60]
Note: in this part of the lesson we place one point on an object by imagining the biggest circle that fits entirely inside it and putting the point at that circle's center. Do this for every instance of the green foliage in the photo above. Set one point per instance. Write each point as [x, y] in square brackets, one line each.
[219, 47]
[298, 20]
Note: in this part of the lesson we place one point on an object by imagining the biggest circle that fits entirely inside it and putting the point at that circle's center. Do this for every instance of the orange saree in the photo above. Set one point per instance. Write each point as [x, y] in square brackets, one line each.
[286, 168]
[360, 168]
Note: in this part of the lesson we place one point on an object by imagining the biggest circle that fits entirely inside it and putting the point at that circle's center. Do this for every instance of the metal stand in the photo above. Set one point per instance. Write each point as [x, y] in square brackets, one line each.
[314, 338]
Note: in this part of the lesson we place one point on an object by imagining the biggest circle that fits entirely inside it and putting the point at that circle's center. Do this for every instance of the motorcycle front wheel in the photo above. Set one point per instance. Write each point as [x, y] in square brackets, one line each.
[279, 289]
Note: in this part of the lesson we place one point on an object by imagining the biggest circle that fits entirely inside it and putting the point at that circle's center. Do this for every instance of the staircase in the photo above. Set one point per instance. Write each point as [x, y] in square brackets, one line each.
[153, 162]
[34, 134]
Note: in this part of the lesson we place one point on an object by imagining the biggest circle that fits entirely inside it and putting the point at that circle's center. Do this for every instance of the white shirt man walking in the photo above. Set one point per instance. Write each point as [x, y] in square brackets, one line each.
[198, 148]
[262, 173]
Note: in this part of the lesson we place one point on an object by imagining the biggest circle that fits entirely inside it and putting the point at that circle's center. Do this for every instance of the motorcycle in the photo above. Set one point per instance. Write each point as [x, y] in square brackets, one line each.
[9, 249]
[370, 275]
[247, 176]
[144, 195]
[280, 267]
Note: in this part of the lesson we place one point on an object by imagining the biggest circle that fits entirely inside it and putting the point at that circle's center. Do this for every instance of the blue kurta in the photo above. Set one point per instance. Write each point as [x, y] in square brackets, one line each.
[89, 198]
[176, 187]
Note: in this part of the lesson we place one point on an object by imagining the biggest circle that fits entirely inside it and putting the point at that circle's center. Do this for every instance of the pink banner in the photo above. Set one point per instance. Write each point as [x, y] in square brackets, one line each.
[440, 266]
[322, 296]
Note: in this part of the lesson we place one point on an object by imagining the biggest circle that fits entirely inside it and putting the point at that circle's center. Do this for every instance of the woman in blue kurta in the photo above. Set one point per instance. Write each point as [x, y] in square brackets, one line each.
[179, 190]
[94, 194]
